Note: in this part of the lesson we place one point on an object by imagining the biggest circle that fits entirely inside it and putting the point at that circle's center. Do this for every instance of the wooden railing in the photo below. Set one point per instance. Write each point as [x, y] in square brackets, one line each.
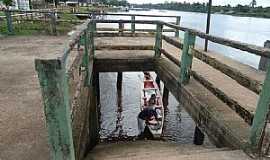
[188, 51]
[64, 82]
[53, 80]
[50, 18]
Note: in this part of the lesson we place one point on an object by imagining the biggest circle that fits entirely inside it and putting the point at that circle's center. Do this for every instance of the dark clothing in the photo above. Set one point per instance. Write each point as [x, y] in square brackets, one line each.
[147, 113]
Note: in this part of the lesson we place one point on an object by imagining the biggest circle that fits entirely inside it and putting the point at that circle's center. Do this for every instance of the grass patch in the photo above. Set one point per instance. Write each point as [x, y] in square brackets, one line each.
[36, 28]
[2, 13]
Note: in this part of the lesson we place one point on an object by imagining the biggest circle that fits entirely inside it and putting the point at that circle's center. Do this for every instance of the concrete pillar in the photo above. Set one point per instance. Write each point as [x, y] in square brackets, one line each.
[198, 136]
[158, 81]
[264, 61]
[165, 98]
[97, 87]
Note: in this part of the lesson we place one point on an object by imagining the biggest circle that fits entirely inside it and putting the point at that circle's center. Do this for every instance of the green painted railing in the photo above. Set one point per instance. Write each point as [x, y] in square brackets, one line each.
[53, 78]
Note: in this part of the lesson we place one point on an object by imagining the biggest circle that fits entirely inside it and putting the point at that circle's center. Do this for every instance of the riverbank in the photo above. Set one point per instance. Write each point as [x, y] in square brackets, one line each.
[239, 10]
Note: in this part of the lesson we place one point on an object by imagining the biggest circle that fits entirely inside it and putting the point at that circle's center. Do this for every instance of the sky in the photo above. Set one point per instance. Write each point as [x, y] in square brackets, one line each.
[215, 2]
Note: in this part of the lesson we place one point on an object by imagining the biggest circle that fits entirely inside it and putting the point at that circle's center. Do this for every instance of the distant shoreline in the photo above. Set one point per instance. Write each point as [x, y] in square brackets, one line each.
[230, 12]
[237, 14]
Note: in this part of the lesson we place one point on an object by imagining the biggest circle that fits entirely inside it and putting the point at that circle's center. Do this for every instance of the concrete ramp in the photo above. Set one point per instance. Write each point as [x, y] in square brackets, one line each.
[158, 150]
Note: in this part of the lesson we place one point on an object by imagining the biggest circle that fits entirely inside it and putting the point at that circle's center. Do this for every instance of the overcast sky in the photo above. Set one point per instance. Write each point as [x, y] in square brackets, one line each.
[215, 2]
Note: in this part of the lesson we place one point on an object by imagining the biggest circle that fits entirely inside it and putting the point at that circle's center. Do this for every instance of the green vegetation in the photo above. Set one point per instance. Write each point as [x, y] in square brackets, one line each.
[8, 2]
[38, 27]
[115, 2]
[238, 10]
[2, 13]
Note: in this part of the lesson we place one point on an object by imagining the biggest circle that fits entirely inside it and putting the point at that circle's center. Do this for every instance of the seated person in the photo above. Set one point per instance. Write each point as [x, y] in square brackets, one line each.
[152, 101]
[147, 75]
[152, 104]
[147, 114]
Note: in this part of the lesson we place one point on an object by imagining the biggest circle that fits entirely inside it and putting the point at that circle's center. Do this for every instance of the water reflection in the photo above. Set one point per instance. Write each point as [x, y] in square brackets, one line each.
[120, 105]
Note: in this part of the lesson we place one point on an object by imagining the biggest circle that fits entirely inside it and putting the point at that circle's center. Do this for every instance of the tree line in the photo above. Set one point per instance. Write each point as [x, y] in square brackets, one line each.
[203, 7]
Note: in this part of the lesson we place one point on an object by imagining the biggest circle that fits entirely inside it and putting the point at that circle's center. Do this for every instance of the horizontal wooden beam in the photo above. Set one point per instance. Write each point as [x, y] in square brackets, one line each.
[234, 73]
[124, 65]
[245, 114]
[170, 57]
[123, 60]
[172, 41]
[126, 21]
[261, 51]
[137, 15]
[223, 127]
[126, 34]
[138, 30]
[89, 13]
[124, 47]
[242, 79]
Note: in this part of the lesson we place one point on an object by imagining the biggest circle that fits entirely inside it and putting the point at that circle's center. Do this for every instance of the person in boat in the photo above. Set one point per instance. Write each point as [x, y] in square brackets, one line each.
[152, 104]
[147, 114]
[147, 75]
[152, 101]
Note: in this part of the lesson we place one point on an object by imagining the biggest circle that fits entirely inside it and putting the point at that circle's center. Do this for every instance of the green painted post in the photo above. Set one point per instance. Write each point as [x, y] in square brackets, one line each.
[158, 43]
[121, 27]
[54, 89]
[133, 26]
[186, 59]
[86, 57]
[93, 28]
[9, 22]
[260, 116]
[53, 23]
[178, 18]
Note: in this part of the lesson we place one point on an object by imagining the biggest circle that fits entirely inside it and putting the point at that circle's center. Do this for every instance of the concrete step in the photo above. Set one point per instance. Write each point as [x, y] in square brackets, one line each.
[221, 155]
[154, 150]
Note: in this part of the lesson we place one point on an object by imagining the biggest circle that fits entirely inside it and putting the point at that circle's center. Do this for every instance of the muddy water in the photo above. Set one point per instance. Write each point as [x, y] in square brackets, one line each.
[119, 122]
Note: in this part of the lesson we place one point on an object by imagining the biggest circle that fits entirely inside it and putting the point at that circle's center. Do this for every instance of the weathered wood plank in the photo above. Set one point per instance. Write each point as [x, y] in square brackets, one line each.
[261, 51]
[54, 88]
[126, 34]
[137, 30]
[186, 59]
[172, 41]
[124, 47]
[121, 61]
[234, 73]
[234, 105]
[222, 125]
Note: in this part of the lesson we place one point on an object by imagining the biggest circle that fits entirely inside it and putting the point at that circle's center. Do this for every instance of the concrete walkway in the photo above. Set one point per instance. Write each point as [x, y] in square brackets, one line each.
[23, 135]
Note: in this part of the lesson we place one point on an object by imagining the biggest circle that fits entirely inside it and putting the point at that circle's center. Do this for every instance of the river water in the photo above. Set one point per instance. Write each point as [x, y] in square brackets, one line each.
[179, 127]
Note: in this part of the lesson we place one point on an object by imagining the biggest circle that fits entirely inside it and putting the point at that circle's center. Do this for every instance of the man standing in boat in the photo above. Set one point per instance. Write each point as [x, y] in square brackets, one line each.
[147, 114]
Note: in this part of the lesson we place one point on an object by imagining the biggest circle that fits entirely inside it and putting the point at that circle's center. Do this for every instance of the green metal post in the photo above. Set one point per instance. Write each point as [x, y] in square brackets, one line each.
[186, 59]
[260, 116]
[9, 22]
[54, 88]
[133, 27]
[53, 23]
[178, 24]
[86, 57]
[93, 27]
[158, 44]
